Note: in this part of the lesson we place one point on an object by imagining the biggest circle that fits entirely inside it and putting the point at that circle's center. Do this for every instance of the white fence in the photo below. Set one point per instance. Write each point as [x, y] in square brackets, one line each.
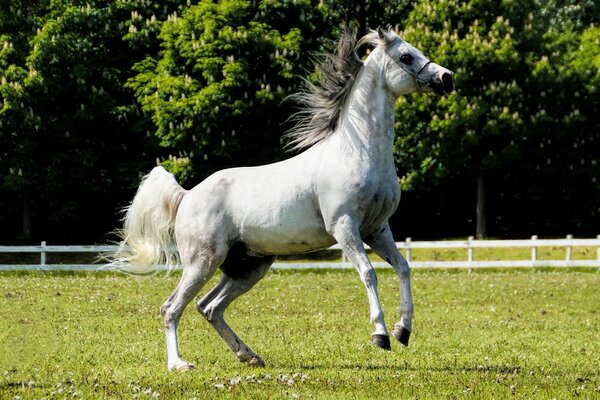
[407, 247]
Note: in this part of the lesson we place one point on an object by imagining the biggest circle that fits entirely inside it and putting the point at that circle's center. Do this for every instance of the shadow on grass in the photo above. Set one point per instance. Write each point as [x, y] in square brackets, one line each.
[22, 385]
[500, 369]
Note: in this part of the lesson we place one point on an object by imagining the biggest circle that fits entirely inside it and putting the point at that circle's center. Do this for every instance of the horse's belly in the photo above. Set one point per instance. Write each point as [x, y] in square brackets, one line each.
[282, 245]
[285, 234]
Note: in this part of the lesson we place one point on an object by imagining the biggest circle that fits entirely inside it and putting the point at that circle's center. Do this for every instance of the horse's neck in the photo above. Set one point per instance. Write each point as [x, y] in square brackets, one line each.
[367, 124]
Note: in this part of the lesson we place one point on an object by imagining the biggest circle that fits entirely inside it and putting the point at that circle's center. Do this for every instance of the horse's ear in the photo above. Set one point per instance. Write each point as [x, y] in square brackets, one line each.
[388, 36]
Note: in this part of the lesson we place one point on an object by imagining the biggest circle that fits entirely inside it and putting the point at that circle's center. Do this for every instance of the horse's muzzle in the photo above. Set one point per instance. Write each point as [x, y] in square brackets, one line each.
[440, 81]
[442, 84]
[447, 82]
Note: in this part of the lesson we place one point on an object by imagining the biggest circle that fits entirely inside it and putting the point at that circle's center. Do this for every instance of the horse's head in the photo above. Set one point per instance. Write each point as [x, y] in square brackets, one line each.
[409, 70]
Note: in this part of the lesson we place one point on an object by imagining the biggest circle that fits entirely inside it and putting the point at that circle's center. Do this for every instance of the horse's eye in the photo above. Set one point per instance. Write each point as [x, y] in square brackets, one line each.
[406, 59]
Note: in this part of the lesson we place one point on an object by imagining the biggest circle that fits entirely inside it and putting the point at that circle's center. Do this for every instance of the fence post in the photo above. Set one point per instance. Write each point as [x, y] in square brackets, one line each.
[470, 252]
[598, 237]
[534, 250]
[408, 251]
[569, 248]
[43, 254]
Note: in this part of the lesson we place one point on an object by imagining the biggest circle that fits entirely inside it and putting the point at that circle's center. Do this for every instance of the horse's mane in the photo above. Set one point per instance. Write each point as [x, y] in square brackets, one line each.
[321, 103]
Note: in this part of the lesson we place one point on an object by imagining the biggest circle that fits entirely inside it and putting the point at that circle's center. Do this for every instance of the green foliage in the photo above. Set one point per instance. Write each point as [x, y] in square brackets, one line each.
[525, 109]
[569, 14]
[362, 15]
[478, 128]
[17, 25]
[586, 60]
[222, 65]
[564, 123]
[68, 128]
[92, 92]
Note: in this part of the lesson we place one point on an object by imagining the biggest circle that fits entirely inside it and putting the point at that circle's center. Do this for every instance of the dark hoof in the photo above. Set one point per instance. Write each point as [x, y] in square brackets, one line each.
[256, 361]
[381, 341]
[402, 334]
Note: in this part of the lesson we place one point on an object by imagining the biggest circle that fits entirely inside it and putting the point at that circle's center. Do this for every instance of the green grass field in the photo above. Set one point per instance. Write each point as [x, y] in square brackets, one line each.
[523, 333]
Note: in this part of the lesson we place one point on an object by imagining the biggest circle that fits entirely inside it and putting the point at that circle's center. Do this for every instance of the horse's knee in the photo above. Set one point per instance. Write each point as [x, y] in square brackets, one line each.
[368, 277]
[169, 315]
[403, 269]
[209, 312]
[202, 304]
[202, 307]
[205, 310]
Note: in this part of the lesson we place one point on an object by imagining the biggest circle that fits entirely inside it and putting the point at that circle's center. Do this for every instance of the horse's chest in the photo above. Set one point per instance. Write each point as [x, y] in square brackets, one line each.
[379, 204]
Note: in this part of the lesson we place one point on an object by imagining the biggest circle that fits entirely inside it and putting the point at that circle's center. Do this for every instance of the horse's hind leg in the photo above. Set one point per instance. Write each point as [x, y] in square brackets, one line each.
[235, 281]
[197, 269]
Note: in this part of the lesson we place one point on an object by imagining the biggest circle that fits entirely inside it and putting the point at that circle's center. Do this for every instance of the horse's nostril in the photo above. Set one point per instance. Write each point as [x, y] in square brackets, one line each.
[448, 82]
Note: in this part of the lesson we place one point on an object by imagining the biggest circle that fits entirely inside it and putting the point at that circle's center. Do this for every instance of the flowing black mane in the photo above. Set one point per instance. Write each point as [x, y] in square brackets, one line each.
[322, 102]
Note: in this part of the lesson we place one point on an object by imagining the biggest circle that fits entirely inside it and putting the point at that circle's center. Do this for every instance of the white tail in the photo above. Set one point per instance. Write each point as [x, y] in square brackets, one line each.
[147, 238]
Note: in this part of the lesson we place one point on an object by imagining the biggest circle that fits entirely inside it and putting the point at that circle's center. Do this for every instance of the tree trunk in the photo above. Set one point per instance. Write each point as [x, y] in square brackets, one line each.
[481, 228]
[27, 230]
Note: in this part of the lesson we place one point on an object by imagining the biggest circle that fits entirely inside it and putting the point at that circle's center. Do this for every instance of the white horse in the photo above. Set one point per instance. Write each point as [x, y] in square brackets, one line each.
[342, 189]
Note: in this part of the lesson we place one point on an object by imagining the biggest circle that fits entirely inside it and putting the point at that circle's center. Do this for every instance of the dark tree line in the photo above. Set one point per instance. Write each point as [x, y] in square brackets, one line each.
[94, 93]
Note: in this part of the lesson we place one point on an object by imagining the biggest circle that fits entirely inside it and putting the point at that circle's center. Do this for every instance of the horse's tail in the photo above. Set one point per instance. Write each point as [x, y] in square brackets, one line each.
[147, 238]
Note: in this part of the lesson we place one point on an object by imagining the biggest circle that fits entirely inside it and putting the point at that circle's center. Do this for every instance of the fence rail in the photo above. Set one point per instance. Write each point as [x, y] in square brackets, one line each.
[407, 247]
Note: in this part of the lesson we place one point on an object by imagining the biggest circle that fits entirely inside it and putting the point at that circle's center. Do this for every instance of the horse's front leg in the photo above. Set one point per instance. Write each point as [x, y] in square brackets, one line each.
[347, 235]
[382, 242]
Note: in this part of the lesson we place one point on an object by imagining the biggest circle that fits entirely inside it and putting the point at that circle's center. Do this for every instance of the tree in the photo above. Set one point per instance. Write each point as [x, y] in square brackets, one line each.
[70, 130]
[222, 65]
[362, 15]
[208, 91]
[17, 27]
[563, 144]
[486, 129]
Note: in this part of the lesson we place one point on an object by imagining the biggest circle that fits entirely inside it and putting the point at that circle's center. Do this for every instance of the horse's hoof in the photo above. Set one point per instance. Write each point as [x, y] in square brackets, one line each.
[401, 334]
[256, 361]
[381, 341]
[182, 367]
